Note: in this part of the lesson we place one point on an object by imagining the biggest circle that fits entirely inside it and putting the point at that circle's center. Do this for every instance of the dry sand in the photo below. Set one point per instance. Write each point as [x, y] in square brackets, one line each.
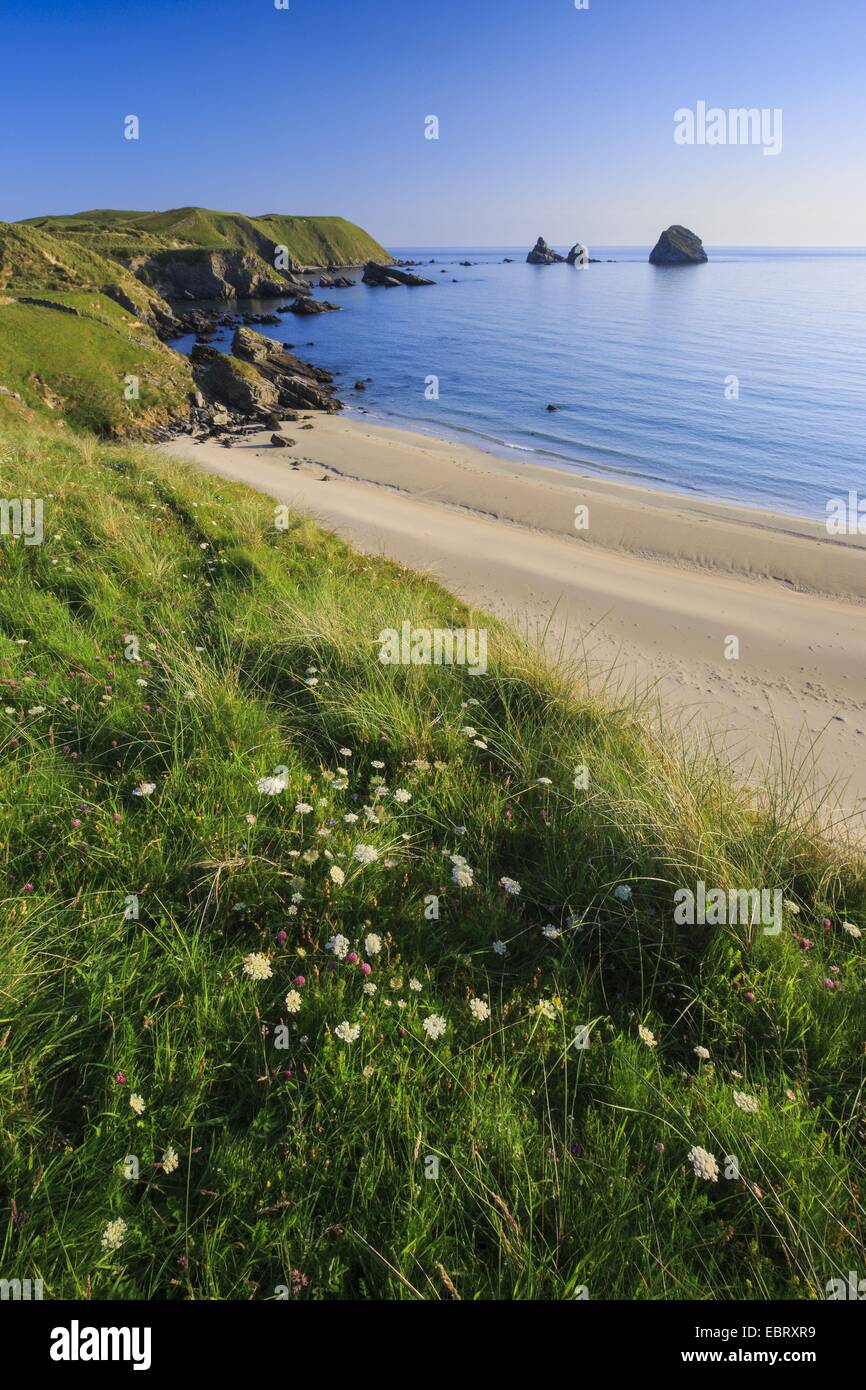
[655, 584]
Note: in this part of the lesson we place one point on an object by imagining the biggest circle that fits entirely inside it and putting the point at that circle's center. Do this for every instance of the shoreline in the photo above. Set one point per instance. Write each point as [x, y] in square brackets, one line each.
[521, 456]
[657, 585]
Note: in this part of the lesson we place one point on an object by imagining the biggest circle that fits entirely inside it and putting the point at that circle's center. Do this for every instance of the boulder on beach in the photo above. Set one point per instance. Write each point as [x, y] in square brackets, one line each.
[542, 254]
[678, 246]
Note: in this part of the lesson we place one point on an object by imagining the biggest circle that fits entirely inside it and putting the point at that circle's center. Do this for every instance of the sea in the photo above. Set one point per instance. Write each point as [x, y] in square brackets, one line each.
[742, 380]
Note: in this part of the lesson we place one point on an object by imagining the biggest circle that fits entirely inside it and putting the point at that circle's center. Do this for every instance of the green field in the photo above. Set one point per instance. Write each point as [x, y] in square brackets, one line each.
[163, 1069]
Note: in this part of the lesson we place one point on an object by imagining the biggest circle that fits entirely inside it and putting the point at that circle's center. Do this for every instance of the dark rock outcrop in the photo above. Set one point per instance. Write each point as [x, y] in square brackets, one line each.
[389, 276]
[311, 306]
[542, 254]
[678, 246]
[298, 384]
[233, 383]
[192, 273]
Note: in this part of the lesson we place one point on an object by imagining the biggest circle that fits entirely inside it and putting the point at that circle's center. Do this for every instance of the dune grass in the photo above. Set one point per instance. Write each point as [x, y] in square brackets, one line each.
[501, 1159]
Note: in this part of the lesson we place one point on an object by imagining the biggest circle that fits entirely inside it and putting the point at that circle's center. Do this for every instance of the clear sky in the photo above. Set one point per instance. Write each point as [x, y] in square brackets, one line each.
[553, 120]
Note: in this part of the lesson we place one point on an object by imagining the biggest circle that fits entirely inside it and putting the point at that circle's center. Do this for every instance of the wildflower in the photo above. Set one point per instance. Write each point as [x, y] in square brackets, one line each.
[500, 947]
[622, 892]
[170, 1160]
[137, 1103]
[511, 886]
[647, 1036]
[701, 1052]
[348, 1032]
[468, 731]
[369, 987]
[272, 786]
[550, 932]
[144, 789]
[120, 1078]
[303, 808]
[281, 938]
[339, 945]
[415, 985]
[112, 1236]
[546, 1009]
[792, 907]
[366, 854]
[544, 781]
[345, 752]
[704, 1164]
[402, 795]
[746, 1102]
[479, 743]
[293, 1002]
[372, 944]
[350, 819]
[336, 875]
[434, 1026]
[250, 820]
[792, 1095]
[367, 1073]
[479, 1010]
[749, 997]
[300, 980]
[377, 764]
[756, 1191]
[257, 966]
[851, 929]
[37, 709]
[462, 875]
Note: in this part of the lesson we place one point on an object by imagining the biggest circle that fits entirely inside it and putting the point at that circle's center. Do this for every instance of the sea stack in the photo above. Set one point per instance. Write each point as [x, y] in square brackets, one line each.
[542, 254]
[578, 255]
[678, 246]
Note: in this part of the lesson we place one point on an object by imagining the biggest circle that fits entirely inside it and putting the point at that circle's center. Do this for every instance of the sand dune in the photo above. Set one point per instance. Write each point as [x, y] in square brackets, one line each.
[654, 583]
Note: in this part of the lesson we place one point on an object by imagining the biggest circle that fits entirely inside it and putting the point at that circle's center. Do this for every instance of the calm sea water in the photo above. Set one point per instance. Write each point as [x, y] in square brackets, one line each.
[637, 359]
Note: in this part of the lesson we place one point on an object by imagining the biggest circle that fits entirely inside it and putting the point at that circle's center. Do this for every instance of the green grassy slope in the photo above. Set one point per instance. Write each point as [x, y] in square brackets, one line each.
[76, 367]
[36, 262]
[498, 1156]
[310, 240]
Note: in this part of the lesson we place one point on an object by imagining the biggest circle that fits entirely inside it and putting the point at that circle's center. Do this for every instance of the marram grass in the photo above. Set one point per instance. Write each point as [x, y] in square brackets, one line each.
[183, 1110]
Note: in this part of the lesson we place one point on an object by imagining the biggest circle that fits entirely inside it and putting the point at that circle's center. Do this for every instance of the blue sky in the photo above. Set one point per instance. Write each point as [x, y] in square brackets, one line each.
[553, 120]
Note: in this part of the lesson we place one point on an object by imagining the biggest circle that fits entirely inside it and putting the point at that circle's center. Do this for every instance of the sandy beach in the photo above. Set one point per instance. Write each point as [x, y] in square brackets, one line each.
[647, 581]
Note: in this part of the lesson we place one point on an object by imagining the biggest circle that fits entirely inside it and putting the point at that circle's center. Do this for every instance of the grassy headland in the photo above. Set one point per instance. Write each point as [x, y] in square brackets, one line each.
[148, 1078]
[315, 241]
